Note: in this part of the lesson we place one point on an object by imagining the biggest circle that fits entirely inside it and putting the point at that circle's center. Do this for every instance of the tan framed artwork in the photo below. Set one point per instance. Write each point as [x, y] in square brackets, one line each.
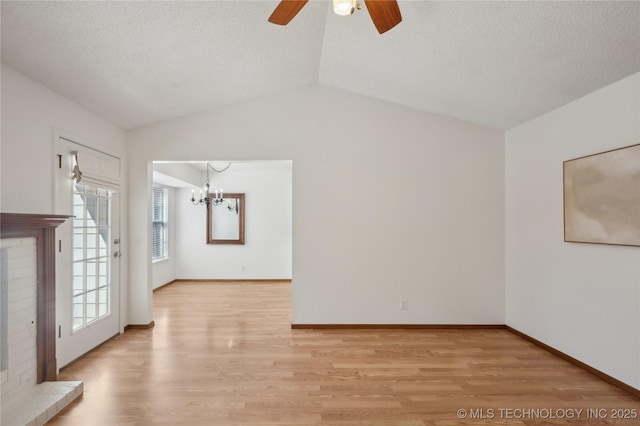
[602, 198]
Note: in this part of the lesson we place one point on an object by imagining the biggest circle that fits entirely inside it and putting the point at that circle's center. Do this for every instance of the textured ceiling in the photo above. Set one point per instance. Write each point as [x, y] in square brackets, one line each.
[493, 63]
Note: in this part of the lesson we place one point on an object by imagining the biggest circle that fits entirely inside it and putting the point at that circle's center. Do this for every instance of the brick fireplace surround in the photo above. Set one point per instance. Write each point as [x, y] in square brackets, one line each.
[31, 397]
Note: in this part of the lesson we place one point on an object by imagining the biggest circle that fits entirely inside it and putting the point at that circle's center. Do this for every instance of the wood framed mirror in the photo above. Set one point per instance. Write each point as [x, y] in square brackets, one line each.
[225, 221]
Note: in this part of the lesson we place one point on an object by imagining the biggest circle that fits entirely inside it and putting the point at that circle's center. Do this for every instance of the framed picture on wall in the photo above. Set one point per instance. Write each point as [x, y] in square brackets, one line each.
[225, 221]
[602, 198]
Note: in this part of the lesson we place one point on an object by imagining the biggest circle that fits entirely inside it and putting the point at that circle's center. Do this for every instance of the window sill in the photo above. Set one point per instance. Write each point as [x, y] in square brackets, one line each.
[164, 259]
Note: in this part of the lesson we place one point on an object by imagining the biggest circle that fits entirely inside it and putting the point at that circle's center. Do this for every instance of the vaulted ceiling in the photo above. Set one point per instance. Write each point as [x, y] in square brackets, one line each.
[493, 63]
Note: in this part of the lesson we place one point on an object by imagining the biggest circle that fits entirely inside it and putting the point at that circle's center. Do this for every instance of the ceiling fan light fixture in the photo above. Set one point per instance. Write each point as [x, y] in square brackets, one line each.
[344, 7]
[385, 14]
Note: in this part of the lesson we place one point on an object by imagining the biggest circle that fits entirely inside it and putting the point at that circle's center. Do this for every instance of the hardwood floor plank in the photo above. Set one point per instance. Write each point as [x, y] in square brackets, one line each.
[225, 355]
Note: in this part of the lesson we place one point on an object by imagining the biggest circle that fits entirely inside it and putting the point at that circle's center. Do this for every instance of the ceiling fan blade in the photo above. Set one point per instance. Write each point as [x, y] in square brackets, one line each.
[385, 14]
[286, 11]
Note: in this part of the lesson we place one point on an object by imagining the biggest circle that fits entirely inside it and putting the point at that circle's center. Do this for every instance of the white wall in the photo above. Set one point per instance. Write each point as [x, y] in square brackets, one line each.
[164, 271]
[267, 251]
[171, 176]
[30, 114]
[177, 174]
[389, 204]
[582, 299]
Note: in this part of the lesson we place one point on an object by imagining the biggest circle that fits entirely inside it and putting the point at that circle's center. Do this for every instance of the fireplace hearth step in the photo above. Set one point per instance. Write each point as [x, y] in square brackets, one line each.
[38, 405]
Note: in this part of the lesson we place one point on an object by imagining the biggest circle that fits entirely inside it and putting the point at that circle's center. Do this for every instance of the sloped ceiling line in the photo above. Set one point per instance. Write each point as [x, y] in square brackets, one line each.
[497, 64]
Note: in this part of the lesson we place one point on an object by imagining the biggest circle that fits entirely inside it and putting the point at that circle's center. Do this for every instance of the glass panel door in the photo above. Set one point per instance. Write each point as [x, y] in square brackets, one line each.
[88, 255]
[91, 254]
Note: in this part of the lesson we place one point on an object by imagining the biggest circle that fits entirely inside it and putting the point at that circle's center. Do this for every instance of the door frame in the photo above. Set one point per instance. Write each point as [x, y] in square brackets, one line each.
[58, 208]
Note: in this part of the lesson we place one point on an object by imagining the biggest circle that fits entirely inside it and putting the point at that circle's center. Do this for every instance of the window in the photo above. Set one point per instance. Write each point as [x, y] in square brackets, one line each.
[159, 240]
[91, 257]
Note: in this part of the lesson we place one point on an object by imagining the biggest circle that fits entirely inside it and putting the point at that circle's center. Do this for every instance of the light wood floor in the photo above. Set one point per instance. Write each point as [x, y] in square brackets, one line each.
[224, 354]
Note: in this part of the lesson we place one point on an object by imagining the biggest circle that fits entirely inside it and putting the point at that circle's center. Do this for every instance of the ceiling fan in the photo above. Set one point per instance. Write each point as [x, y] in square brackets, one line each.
[385, 14]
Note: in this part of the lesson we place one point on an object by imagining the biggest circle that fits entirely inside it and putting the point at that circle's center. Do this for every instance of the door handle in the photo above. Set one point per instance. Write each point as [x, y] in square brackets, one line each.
[117, 254]
[116, 241]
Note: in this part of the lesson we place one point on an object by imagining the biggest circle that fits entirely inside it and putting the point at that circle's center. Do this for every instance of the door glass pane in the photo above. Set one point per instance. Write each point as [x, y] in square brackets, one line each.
[103, 301]
[103, 206]
[78, 285]
[103, 242]
[103, 273]
[92, 243]
[78, 311]
[91, 306]
[78, 241]
[91, 277]
[91, 254]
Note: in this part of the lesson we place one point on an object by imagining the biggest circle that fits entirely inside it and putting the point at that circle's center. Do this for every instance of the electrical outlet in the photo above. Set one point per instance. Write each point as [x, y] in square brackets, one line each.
[244, 268]
[404, 305]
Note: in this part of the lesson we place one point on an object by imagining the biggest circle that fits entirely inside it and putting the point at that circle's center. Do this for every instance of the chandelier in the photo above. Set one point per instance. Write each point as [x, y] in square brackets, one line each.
[218, 194]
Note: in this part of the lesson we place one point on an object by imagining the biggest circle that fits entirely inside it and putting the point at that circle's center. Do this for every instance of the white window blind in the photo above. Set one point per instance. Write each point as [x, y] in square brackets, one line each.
[159, 219]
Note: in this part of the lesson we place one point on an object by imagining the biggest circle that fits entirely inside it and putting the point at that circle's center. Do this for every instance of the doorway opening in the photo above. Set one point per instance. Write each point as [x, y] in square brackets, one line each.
[267, 250]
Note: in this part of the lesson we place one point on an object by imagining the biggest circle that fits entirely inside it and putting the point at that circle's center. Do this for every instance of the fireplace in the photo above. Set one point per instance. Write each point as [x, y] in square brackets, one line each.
[27, 320]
